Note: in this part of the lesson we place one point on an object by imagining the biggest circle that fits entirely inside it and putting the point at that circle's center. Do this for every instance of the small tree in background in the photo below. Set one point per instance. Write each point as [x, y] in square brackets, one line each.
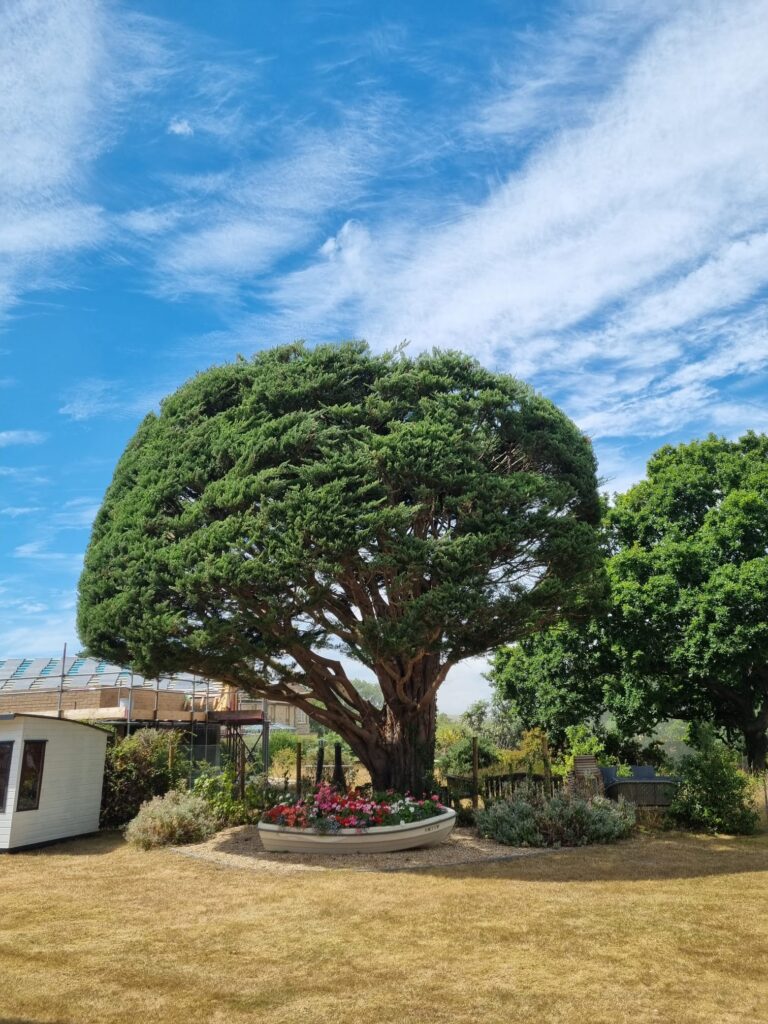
[409, 513]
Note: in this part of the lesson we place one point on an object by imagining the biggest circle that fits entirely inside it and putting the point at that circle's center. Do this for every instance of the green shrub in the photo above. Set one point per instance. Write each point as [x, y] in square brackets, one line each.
[146, 764]
[283, 764]
[568, 820]
[176, 818]
[457, 759]
[219, 790]
[714, 794]
[529, 818]
[282, 739]
[512, 822]
[447, 734]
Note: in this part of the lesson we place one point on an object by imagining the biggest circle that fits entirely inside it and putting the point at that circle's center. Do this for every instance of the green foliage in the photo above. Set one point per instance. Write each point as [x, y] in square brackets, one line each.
[512, 822]
[685, 631]
[627, 750]
[529, 818]
[550, 681]
[321, 497]
[457, 760]
[530, 755]
[476, 715]
[219, 790]
[371, 692]
[148, 763]
[282, 739]
[448, 733]
[494, 721]
[283, 764]
[176, 818]
[714, 795]
[580, 739]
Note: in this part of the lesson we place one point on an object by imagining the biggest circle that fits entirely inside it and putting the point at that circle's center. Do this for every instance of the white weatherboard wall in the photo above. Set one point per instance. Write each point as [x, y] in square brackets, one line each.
[70, 793]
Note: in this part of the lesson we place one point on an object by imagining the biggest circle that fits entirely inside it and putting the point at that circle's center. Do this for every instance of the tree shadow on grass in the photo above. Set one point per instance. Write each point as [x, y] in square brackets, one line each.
[650, 857]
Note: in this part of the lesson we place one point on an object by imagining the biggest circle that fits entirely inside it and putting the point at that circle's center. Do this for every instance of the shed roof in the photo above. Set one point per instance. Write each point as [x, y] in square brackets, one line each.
[8, 715]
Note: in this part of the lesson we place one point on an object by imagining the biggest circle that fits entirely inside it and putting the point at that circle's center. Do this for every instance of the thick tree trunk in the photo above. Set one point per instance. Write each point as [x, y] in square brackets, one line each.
[399, 749]
[402, 755]
[396, 743]
[756, 744]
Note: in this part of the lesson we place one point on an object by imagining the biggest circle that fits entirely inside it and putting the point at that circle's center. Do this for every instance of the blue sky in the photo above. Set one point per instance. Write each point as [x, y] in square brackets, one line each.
[576, 193]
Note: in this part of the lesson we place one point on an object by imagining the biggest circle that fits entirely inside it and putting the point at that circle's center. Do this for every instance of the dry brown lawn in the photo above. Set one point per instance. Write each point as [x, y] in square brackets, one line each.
[670, 929]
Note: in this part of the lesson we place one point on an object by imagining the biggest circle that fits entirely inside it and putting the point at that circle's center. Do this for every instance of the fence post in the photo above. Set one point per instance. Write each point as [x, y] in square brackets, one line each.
[338, 780]
[475, 772]
[320, 762]
[298, 769]
[547, 761]
[265, 746]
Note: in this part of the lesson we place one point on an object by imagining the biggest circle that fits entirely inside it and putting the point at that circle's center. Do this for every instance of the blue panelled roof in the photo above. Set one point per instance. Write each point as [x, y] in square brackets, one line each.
[19, 674]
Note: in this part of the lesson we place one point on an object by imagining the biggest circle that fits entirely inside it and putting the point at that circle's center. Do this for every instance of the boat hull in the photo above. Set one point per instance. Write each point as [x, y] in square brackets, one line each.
[379, 839]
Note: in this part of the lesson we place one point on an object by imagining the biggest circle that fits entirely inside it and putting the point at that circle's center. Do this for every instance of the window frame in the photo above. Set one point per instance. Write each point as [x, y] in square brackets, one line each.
[19, 794]
[5, 784]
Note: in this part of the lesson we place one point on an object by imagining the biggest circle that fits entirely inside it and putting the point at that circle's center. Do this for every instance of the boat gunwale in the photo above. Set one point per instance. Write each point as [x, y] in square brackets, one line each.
[447, 815]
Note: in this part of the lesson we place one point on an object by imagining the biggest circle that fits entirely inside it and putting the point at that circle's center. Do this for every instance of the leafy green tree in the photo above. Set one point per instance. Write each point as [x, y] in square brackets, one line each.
[551, 681]
[689, 623]
[406, 512]
[477, 715]
[685, 634]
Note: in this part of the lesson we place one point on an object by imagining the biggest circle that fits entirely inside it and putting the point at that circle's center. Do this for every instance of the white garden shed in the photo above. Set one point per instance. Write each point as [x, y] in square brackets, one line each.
[51, 774]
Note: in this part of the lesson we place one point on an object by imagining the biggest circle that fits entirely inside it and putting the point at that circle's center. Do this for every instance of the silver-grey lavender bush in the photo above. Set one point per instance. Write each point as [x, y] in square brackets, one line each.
[529, 818]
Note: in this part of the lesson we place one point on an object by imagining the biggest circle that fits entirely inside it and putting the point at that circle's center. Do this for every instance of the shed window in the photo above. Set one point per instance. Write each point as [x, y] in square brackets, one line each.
[6, 749]
[31, 775]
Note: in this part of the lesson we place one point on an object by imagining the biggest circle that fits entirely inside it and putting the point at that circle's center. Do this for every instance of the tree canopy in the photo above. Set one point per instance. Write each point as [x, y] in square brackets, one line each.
[685, 633]
[315, 502]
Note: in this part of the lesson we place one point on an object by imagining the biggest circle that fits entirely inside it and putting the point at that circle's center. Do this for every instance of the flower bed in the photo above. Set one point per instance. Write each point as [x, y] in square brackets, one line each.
[329, 822]
[328, 812]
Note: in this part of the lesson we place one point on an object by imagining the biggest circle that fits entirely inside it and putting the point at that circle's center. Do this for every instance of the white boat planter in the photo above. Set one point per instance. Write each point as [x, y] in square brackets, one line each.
[378, 839]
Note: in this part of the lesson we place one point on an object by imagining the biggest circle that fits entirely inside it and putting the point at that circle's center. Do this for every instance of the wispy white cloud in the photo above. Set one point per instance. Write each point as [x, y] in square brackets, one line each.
[234, 227]
[75, 514]
[68, 70]
[9, 437]
[180, 126]
[612, 267]
[561, 70]
[94, 397]
[50, 56]
[32, 629]
[15, 511]
[39, 551]
[24, 474]
[89, 398]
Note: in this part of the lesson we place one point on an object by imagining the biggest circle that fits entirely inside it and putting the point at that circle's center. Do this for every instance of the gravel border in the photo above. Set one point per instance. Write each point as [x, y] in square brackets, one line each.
[241, 847]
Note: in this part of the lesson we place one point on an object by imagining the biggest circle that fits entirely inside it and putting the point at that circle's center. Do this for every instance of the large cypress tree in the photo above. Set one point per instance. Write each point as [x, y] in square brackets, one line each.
[405, 512]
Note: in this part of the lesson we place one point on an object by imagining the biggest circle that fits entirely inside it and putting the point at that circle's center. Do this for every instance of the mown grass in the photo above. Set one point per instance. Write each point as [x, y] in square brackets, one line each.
[670, 929]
